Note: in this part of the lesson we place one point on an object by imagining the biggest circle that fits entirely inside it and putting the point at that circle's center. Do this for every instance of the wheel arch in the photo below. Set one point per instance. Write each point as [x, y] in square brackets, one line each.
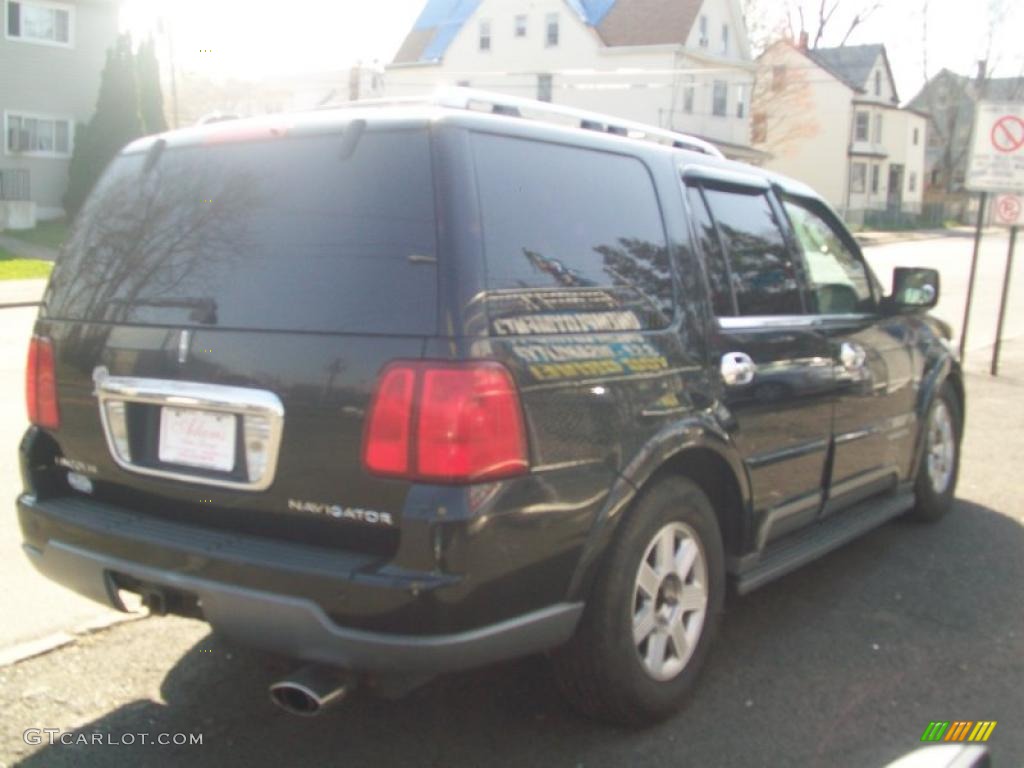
[708, 460]
[946, 371]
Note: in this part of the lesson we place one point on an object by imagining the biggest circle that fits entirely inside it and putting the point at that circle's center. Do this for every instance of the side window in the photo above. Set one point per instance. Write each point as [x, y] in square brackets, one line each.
[762, 272]
[839, 280]
[568, 232]
[714, 260]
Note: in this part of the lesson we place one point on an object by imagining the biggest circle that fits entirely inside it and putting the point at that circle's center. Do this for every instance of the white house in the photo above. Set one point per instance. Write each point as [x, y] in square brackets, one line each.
[831, 118]
[679, 64]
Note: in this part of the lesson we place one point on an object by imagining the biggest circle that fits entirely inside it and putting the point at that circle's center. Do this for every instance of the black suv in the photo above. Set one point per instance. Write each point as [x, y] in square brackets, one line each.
[400, 390]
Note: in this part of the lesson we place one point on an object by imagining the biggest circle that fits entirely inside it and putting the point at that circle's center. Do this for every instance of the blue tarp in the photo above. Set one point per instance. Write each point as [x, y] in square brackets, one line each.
[446, 18]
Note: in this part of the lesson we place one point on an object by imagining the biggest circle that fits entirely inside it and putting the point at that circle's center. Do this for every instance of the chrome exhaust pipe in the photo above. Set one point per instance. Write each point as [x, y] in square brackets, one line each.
[310, 690]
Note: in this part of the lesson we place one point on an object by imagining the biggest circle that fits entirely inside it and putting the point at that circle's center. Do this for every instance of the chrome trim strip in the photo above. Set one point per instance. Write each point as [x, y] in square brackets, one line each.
[758, 322]
[871, 476]
[794, 452]
[766, 322]
[189, 394]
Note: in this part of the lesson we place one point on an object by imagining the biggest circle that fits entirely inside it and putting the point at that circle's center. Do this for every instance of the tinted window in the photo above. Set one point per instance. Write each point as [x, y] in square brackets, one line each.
[290, 234]
[714, 260]
[839, 280]
[763, 274]
[570, 231]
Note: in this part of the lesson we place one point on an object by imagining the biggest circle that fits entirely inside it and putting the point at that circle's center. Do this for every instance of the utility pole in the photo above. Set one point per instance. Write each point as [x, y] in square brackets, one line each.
[166, 31]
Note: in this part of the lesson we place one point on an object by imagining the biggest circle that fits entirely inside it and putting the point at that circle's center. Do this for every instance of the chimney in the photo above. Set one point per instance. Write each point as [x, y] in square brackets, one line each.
[804, 39]
[982, 77]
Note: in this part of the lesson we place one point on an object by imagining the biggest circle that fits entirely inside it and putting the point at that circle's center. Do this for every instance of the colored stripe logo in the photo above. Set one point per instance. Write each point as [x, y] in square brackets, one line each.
[958, 730]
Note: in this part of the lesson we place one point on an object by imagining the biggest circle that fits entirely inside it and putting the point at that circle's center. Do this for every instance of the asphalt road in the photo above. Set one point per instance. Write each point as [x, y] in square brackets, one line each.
[843, 663]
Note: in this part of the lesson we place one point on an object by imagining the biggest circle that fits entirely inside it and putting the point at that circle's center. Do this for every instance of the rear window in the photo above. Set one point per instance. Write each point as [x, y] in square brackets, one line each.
[302, 234]
[573, 239]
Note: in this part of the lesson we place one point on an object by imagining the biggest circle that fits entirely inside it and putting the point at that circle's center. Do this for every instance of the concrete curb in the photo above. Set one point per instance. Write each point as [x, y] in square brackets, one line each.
[52, 642]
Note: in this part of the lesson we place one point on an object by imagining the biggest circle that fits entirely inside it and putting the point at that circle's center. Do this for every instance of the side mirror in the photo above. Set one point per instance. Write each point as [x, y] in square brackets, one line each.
[914, 289]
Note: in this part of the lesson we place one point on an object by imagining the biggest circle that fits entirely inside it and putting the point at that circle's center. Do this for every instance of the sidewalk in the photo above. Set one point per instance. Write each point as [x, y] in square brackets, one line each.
[880, 237]
[15, 293]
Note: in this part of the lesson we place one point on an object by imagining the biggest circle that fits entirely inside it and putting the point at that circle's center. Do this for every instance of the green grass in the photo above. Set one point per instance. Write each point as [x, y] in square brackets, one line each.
[15, 268]
[50, 234]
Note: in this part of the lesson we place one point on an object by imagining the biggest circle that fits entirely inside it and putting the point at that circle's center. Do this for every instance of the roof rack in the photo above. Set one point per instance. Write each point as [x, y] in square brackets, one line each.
[501, 104]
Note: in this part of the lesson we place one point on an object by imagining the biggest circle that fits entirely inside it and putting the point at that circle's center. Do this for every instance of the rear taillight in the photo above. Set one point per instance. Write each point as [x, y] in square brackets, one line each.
[41, 384]
[445, 422]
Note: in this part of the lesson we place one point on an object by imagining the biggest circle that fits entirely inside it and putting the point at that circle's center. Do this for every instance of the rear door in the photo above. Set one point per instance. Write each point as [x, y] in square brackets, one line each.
[776, 368]
[263, 284]
[874, 423]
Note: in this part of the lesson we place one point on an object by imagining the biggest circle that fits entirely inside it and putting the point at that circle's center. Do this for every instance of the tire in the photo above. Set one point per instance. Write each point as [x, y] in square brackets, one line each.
[937, 475]
[600, 671]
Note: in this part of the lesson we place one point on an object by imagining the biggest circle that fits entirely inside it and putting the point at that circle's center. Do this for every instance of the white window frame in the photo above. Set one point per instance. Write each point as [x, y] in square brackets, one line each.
[689, 93]
[867, 125]
[522, 22]
[552, 20]
[9, 113]
[703, 28]
[861, 187]
[720, 86]
[20, 38]
[725, 39]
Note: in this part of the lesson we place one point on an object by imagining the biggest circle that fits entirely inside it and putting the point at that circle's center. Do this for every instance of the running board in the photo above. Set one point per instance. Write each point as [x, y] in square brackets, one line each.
[811, 543]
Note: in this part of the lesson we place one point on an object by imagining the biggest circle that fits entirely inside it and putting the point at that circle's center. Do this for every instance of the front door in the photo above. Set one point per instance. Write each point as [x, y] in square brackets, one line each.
[895, 190]
[873, 426]
[777, 373]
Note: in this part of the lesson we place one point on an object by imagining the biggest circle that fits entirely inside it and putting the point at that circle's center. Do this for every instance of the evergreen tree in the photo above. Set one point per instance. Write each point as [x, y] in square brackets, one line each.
[151, 98]
[114, 124]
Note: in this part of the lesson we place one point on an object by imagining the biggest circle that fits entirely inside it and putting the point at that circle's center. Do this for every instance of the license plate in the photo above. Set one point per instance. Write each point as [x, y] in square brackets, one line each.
[204, 439]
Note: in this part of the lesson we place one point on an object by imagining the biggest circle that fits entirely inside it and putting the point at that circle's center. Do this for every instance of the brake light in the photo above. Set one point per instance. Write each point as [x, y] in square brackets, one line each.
[445, 422]
[41, 384]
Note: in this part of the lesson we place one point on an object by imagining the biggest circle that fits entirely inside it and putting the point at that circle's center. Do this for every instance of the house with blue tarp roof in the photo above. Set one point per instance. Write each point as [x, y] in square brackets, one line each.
[684, 65]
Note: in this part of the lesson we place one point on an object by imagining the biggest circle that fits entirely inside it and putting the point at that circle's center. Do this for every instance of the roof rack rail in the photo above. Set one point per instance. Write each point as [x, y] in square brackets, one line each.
[502, 104]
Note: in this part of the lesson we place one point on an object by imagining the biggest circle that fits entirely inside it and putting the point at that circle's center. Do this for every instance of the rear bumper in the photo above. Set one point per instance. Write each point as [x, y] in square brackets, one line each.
[89, 547]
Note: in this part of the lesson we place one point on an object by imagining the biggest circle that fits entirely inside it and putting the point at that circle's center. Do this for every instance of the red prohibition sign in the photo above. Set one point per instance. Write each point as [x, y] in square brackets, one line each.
[1008, 134]
[1008, 209]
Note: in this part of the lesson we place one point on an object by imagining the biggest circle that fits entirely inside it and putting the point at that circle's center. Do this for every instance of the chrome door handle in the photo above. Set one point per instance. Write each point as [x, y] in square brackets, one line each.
[737, 369]
[852, 356]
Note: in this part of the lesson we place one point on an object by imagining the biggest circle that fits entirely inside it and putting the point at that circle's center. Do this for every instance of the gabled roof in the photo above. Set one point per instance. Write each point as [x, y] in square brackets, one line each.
[617, 22]
[435, 28]
[850, 63]
[648, 22]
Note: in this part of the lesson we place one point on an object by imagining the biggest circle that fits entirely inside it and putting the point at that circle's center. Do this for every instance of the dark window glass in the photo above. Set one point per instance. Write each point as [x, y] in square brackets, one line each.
[14, 19]
[719, 98]
[569, 231]
[544, 83]
[289, 234]
[764, 277]
[551, 37]
[714, 260]
[839, 280]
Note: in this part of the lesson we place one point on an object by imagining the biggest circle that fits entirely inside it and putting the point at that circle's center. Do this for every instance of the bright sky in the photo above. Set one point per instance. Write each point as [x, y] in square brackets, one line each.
[252, 40]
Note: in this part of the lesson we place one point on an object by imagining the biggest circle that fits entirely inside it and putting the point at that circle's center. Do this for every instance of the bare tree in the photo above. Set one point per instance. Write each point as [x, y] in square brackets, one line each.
[793, 19]
[782, 104]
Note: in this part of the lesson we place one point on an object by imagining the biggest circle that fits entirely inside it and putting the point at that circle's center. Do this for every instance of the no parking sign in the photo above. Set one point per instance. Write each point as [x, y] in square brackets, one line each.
[1008, 210]
[997, 151]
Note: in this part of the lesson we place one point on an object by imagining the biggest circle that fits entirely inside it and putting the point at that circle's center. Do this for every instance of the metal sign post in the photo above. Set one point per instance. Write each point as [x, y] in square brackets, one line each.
[974, 272]
[995, 165]
[994, 370]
